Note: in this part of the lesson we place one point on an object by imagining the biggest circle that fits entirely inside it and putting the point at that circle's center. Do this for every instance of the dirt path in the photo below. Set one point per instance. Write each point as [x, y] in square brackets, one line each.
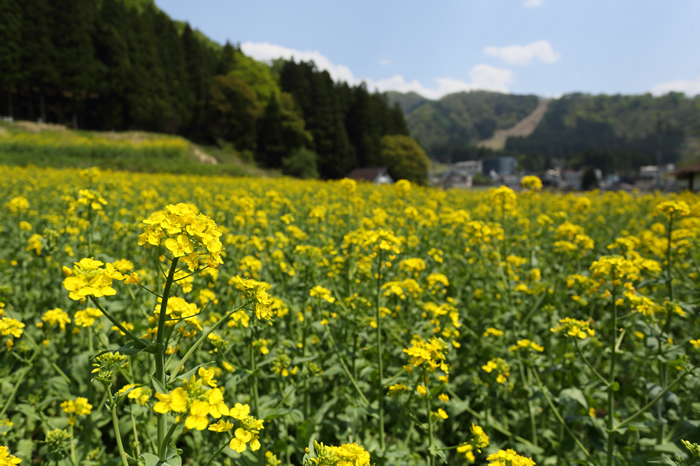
[204, 157]
[524, 127]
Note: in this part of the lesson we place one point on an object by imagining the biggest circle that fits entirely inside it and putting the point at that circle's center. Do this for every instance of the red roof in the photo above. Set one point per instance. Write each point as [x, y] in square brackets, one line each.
[366, 174]
[695, 168]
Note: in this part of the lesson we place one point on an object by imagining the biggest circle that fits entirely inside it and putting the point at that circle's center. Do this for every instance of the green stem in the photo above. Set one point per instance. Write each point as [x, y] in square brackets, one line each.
[24, 372]
[137, 444]
[666, 328]
[590, 366]
[160, 356]
[669, 274]
[431, 458]
[115, 423]
[380, 364]
[556, 412]
[171, 431]
[254, 389]
[611, 392]
[201, 340]
[403, 408]
[530, 407]
[494, 424]
[644, 408]
[216, 453]
[139, 342]
[345, 367]
[72, 446]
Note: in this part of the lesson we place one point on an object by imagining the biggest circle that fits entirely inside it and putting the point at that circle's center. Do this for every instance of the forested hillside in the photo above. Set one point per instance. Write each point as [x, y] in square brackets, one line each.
[616, 133]
[449, 128]
[125, 65]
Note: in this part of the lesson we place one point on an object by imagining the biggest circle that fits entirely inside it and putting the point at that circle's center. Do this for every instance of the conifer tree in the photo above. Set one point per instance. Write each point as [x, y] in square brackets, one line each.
[38, 56]
[227, 60]
[10, 51]
[73, 21]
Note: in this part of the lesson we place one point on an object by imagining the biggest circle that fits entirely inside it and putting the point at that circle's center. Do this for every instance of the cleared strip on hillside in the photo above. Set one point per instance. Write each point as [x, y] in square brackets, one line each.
[523, 128]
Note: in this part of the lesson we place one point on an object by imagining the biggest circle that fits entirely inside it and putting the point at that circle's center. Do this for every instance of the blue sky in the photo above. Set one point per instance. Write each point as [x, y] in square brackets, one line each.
[544, 47]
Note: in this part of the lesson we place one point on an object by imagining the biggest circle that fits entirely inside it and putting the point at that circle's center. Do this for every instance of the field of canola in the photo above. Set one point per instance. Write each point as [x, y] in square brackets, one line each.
[169, 320]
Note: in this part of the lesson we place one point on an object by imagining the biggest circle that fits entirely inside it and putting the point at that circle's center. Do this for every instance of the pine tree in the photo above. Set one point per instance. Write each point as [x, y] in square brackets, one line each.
[113, 65]
[10, 52]
[227, 60]
[38, 55]
[271, 147]
[234, 111]
[196, 79]
[73, 21]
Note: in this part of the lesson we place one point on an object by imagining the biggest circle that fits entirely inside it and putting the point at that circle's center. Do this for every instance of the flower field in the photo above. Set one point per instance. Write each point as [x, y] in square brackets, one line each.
[170, 320]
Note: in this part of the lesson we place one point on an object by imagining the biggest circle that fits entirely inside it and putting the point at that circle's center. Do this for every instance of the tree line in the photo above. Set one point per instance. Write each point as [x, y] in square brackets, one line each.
[616, 133]
[125, 65]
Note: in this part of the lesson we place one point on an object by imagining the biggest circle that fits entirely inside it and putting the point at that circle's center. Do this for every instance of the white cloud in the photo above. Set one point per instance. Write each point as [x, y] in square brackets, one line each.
[264, 51]
[533, 3]
[482, 77]
[524, 54]
[385, 62]
[687, 86]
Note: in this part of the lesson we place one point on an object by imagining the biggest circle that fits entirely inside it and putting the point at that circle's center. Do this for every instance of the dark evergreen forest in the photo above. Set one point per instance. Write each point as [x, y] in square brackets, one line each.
[125, 65]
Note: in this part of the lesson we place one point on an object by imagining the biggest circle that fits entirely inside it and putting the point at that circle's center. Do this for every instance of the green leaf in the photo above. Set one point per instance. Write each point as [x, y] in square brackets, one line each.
[615, 386]
[296, 361]
[130, 349]
[150, 460]
[159, 387]
[573, 394]
[435, 452]
[187, 375]
[668, 447]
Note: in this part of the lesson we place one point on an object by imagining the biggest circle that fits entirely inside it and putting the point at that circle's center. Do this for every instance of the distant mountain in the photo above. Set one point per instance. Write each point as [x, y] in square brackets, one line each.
[407, 101]
[449, 128]
[612, 132]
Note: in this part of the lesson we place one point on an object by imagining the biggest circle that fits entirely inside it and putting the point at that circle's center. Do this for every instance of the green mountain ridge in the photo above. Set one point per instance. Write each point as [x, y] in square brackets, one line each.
[450, 127]
[613, 132]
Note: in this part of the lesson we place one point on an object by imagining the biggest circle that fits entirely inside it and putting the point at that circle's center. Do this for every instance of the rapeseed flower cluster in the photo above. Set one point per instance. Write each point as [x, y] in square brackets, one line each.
[349, 454]
[431, 353]
[509, 458]
[574, 328]
[181, 230]
[89, 278]
[6, 459]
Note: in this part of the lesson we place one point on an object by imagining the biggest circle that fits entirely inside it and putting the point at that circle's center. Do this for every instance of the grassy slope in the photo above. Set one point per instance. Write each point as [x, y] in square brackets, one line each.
[25, 143]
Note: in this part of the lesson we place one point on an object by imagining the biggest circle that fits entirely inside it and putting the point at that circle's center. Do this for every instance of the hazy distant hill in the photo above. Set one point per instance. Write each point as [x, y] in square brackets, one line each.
[446, 127]
[408, 101]
[613, 132]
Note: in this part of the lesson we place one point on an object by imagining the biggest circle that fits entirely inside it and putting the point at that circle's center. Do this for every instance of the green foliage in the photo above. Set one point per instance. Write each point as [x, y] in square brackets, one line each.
[405, 159]
[281, 130]
[301, 163]
[235, 109]
[346, 123]
[589, 180]
[257, 75]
